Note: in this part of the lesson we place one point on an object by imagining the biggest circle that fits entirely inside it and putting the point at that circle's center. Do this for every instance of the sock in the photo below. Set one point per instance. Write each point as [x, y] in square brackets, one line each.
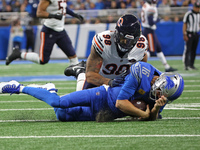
[80, 81]
[34, 57]
[73, 61]
[148, 54]
[51, 99]
[163, 60]
[21, 88]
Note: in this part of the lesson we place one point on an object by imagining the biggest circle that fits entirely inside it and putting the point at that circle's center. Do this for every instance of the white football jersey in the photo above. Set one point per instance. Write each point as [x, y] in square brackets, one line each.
[113, 65]
[56, 7]
[147, 10]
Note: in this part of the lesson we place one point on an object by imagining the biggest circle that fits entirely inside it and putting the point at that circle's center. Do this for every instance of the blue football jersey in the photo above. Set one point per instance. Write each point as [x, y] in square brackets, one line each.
[138, 83]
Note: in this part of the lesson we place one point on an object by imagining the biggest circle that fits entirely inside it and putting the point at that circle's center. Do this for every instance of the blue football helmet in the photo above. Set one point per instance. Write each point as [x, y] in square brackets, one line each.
[170, 85]
[127, 32]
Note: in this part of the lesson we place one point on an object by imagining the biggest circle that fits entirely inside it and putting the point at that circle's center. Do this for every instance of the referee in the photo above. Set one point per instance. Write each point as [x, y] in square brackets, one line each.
[191, 22]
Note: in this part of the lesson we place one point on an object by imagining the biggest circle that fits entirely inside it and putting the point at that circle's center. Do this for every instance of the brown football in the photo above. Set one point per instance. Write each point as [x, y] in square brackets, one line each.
[139, 104]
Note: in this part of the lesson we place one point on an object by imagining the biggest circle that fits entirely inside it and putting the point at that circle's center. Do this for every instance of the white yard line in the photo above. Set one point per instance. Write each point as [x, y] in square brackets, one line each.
[166, 118]
[97, 136]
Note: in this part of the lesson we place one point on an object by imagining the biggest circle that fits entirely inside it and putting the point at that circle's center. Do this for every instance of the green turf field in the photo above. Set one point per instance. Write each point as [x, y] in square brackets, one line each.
[29, 124]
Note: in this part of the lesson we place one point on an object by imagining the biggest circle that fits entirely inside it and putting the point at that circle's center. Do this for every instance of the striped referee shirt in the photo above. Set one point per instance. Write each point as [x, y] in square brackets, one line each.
[192, 19]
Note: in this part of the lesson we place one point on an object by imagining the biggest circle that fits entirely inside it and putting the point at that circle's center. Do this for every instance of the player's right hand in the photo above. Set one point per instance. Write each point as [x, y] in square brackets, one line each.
[116, 81]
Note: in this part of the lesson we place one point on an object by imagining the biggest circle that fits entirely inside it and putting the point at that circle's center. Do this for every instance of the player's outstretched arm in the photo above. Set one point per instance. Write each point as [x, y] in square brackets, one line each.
[128, 108]
[93, 66]
[41, 10]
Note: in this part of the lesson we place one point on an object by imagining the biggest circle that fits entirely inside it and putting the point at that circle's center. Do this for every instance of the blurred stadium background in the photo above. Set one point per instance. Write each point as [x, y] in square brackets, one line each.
[99, 15]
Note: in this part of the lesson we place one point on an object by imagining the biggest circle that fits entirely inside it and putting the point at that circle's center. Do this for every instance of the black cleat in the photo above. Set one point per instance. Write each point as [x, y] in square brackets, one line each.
[75, 70]
[186, 68]
[170, 69]
[15, 54]
[192, 68]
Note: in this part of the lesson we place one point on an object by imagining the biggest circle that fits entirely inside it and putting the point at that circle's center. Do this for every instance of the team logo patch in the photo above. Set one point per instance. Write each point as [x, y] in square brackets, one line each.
[120, 22]
[170, 83]
[141, 91]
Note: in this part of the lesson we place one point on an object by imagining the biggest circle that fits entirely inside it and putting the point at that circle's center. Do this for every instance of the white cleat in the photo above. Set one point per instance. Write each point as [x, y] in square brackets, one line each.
[10, 87]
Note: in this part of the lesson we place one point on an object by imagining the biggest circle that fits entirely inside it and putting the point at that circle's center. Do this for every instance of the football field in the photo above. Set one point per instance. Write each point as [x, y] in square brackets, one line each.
[29, 124]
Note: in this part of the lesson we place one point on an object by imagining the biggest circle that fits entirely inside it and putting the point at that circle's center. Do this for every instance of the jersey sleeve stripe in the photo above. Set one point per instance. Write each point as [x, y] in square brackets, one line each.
[97, 49]
[95, 40]
[99, 41]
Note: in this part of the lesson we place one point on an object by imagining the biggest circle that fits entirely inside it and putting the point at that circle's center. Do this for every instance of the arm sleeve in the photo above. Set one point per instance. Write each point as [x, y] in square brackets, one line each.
[132, 83]
[70, 12]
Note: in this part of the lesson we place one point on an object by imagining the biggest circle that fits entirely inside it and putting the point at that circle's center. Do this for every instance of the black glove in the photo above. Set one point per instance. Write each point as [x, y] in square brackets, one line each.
[56, 16]
[79, 17]
[116, 81]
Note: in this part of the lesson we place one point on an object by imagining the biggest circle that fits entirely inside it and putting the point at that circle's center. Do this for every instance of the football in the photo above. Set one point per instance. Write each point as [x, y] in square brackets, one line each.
[139, 104]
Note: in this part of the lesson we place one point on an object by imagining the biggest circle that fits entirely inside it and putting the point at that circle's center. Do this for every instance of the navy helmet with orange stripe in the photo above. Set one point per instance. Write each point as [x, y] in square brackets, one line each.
[127, 32]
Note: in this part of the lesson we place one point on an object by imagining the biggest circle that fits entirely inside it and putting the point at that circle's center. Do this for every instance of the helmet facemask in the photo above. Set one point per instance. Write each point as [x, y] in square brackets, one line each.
[125, 42]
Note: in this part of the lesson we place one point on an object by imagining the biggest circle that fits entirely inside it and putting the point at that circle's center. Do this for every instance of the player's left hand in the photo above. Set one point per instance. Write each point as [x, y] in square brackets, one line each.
[79, 17]
[116, 81]
[161, 101]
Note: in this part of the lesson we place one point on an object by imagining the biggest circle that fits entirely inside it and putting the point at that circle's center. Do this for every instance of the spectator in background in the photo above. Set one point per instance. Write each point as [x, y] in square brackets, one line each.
[17, 33]
[76, 4]
[30, 34]
[6, 7]
[99, 4]
[122, 5]
[180, 2]
[16, 5]
[97, 20]
[165, 7]
[82, 6]
[87, 4]
[174, 3]
[191, 22]
[107, 4]
[166, 19]
[113, 5]
[132, 5]
[176, 19]
[110, 19]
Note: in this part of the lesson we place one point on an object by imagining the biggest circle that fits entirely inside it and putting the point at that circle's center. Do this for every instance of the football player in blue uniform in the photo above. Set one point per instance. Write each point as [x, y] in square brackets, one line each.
[144, 82]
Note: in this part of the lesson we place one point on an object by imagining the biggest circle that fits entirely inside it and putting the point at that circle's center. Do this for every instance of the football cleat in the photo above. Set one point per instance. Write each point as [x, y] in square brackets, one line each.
[10, 87]
[15, 54]
[192, 68]
[49, 87]
[170, 69]
[75, 70]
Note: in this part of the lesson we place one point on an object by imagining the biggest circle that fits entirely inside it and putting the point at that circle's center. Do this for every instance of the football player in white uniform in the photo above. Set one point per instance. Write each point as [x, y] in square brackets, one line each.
[149, 17]
[112, 53]
[53, 11]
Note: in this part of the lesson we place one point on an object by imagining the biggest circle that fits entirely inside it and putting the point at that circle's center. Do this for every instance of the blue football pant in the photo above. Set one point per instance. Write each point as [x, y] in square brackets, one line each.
[77, 106]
